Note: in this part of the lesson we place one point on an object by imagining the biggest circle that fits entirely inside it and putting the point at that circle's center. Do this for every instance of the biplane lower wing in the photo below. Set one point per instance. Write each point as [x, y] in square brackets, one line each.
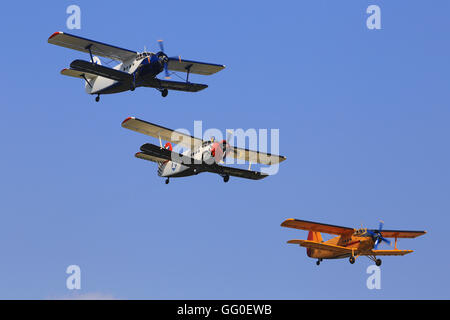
[255, 156]
[236, 172]
[321, 246]
[77, 74]
[167, 155]
[148, 157]
[174, 85]
[394, 252]
[99, 70]
[203, 68]
[157, 154]
[317, 227]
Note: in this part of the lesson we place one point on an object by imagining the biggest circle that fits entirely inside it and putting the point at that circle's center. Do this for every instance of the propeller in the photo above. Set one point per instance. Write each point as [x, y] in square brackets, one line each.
[377, 236]
[164, 58]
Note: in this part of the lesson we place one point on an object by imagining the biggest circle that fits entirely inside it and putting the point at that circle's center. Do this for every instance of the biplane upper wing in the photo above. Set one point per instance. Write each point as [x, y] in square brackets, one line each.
[99, 70]
[314, 226]
[154, 130]
[401, 233]
[174, 85]
[255, 156]
[394, 252]
[177, 64]
[321, 246]
[97, 48]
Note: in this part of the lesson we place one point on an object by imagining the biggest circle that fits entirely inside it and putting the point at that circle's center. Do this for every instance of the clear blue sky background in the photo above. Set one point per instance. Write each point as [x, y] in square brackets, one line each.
[364, 123]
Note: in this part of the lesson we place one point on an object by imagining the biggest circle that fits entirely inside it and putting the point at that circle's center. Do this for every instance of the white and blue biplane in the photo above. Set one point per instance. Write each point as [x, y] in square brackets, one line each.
[134, 69]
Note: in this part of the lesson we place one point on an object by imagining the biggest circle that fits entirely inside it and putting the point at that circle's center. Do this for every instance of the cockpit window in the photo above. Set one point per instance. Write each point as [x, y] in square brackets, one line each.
[205, 143]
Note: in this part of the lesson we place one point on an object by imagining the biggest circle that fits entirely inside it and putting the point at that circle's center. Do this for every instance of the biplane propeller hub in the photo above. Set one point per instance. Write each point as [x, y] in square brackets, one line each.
[377, 236]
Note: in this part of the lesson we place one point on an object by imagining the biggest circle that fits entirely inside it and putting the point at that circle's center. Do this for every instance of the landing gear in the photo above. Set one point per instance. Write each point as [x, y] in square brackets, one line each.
[318, 261]
[132, 88]
[352, 260]
[97, 98]
[374, 259]
[164, 93]
[226, 178]
[167, 181]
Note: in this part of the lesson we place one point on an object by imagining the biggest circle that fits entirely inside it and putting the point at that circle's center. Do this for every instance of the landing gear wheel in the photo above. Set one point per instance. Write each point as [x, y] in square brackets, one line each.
[167, 181]
[378, 262]
[352, 260]
[132, 88]
[164, 93]
[226, 178]
[97, 98]
[318, 262]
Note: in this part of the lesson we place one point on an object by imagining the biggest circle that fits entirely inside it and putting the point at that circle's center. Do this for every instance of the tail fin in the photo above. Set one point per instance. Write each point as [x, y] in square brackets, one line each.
[313, 236]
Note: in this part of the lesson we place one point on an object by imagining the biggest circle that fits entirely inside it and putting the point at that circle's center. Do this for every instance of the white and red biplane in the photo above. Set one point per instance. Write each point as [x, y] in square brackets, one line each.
[200, 156]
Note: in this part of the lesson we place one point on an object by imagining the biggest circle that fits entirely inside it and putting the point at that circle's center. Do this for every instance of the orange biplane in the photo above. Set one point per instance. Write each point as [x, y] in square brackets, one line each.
[349, 243]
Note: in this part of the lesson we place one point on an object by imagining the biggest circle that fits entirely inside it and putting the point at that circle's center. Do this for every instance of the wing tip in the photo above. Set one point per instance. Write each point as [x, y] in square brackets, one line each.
[127, 119]
[285, 222]
[55, 34]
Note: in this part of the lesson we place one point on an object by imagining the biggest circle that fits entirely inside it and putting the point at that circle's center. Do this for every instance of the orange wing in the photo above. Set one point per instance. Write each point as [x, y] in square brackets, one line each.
[314, 226]
[401, 233]
[321, 246]
[394, 252]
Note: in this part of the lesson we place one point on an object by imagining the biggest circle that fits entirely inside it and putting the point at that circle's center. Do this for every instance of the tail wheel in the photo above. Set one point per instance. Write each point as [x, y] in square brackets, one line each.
[352, 260]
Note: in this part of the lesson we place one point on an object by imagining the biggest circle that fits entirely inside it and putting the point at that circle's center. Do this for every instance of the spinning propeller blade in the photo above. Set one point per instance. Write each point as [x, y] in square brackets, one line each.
[166, 70]
[376, 235]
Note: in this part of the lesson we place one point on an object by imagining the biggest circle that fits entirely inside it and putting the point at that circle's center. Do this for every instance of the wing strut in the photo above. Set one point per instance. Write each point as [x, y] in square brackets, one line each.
[188, 70]
[90, 52]
[85, 79]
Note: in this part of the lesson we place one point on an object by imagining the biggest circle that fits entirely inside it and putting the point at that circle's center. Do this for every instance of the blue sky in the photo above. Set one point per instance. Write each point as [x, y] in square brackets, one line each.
[363, 118]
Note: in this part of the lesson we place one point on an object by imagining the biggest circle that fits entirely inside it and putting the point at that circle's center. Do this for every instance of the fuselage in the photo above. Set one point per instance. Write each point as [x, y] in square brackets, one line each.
[360, 244]
[146, 65]
[209, 152]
